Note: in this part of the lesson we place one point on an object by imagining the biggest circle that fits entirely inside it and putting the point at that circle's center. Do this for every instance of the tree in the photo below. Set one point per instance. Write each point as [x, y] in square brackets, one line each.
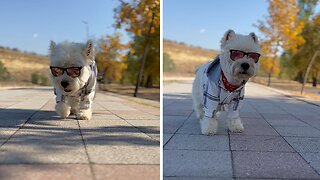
[142, 20]
[281, 29]
[111, 58]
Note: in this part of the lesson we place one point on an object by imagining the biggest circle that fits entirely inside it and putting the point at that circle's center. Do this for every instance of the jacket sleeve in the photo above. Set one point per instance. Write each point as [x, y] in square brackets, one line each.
[210, 98]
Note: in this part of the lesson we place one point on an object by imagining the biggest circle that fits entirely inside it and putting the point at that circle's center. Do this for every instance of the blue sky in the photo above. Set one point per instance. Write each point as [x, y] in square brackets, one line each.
[31, 24]
[203, 22]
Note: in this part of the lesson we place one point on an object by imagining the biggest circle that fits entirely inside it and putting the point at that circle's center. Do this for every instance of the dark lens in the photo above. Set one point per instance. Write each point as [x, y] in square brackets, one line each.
[74, 71]
[56, 71]
[235, 55]
[254, 56]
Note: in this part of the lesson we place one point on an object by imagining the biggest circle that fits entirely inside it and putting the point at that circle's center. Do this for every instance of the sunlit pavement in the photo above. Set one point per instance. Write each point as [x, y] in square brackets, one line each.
[281, 138]
[121, 141]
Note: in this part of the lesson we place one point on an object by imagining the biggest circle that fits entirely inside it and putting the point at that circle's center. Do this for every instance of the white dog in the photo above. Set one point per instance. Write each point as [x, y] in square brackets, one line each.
[73, 73]
[219, 85]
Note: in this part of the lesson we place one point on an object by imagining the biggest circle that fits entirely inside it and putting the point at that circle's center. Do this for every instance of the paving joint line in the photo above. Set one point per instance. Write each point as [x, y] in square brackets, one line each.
[20, 127]
[131, 125]
[86, 150]
[284, 136]
[178, 128]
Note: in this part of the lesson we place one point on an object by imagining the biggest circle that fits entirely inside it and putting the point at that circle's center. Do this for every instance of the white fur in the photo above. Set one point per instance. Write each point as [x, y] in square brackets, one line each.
[232, 71]
[72, 55]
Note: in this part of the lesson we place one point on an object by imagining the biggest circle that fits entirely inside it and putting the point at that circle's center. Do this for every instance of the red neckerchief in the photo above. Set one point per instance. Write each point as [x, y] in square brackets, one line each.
[227, 85]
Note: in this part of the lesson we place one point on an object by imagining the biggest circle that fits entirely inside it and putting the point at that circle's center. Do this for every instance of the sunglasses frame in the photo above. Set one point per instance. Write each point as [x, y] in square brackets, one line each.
[65, 70]
[245, 54]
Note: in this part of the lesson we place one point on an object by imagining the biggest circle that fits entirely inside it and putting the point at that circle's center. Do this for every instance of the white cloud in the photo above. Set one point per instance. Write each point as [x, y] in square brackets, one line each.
[202, 30]
[35, 35]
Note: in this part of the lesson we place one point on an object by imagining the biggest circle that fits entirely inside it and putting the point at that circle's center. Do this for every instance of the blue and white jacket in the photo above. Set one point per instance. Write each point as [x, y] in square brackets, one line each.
[85, 94]
[215, 96]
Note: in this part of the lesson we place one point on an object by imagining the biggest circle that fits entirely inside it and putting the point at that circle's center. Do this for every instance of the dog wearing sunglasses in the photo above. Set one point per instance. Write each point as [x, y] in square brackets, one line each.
[74, 77]
[219, 84]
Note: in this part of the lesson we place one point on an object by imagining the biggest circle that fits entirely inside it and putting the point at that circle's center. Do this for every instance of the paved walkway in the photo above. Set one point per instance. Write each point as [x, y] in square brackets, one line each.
[281, 138]
[120, 142]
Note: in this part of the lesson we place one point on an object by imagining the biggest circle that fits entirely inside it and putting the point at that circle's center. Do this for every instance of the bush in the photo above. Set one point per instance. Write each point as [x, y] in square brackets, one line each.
[4, 74]
[37, 78]
[168, 64]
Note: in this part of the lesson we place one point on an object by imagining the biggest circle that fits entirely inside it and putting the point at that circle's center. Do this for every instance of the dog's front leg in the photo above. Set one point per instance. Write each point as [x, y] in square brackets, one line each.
[209, 126]
[63, 109]
[85, 112]
[234, 122]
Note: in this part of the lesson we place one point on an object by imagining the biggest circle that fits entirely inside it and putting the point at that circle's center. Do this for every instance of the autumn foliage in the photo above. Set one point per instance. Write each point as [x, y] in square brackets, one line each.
[282, 31]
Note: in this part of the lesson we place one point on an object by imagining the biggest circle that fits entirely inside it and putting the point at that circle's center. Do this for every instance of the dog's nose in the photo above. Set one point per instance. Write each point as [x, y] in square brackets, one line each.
[245, 66]
[64, 84]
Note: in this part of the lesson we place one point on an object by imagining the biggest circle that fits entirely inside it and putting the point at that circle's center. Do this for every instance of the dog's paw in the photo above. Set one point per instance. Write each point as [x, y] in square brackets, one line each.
[209, 126]
[62, 109]
[236, 126]
[84, 114]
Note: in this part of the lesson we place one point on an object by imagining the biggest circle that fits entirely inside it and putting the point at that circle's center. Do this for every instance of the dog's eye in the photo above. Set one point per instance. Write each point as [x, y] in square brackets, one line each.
[56, 71]
[254, 56]
[235, 55]
[74, 71]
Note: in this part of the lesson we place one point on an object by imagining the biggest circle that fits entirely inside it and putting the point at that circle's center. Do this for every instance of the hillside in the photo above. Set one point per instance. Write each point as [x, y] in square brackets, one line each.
[21, 66]
[186, 58]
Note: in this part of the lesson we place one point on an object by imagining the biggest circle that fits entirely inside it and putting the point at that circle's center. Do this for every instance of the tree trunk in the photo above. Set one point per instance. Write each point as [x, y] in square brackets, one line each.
[299, 77]
[269, 76]
[149, 82]
[143, 60]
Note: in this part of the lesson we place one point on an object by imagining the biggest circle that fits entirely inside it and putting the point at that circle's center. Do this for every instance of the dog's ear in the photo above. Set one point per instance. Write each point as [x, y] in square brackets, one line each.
[254, 37]
[227, 36]
[89, 50]
[52, 45]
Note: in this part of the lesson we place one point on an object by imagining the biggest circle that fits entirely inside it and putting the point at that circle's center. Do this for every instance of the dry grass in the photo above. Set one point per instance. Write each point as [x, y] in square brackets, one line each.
[127, 90]
[21, 65]
[186, 58]
[290, 86]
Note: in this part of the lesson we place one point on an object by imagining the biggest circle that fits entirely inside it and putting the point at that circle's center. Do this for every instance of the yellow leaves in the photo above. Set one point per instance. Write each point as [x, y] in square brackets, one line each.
[281, 29]
[138, 32]
[317, 19]
[137, 15]
[132, 51]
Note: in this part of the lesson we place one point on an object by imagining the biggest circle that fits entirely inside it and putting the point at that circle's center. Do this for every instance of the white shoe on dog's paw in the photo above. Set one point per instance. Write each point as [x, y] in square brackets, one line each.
[84, 114]
[209, 126]
[63, 109]
[236, 126]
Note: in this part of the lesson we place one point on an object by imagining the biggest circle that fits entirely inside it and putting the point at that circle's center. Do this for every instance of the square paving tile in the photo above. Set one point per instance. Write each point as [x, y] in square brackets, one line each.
[5, 133]
[283, 116]
[294, 123]
[197, 163]
[134, 153]
[124, 172]
[250, 115]
[23, 150]
[271, 165]
[298, 131]
[259, 143]
[198, 142]
[313, 159]
[172, 123]
[258, 130]
[302, 144]
[192, 126]
[254, 121]
[45, 171]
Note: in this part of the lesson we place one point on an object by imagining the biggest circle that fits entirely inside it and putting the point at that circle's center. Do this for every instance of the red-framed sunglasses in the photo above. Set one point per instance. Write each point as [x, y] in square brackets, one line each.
[237, 54]
[71, 71]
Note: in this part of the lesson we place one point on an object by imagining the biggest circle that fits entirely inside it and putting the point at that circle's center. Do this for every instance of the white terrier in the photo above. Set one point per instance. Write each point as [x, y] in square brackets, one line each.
[74, 76]
[219, 85]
